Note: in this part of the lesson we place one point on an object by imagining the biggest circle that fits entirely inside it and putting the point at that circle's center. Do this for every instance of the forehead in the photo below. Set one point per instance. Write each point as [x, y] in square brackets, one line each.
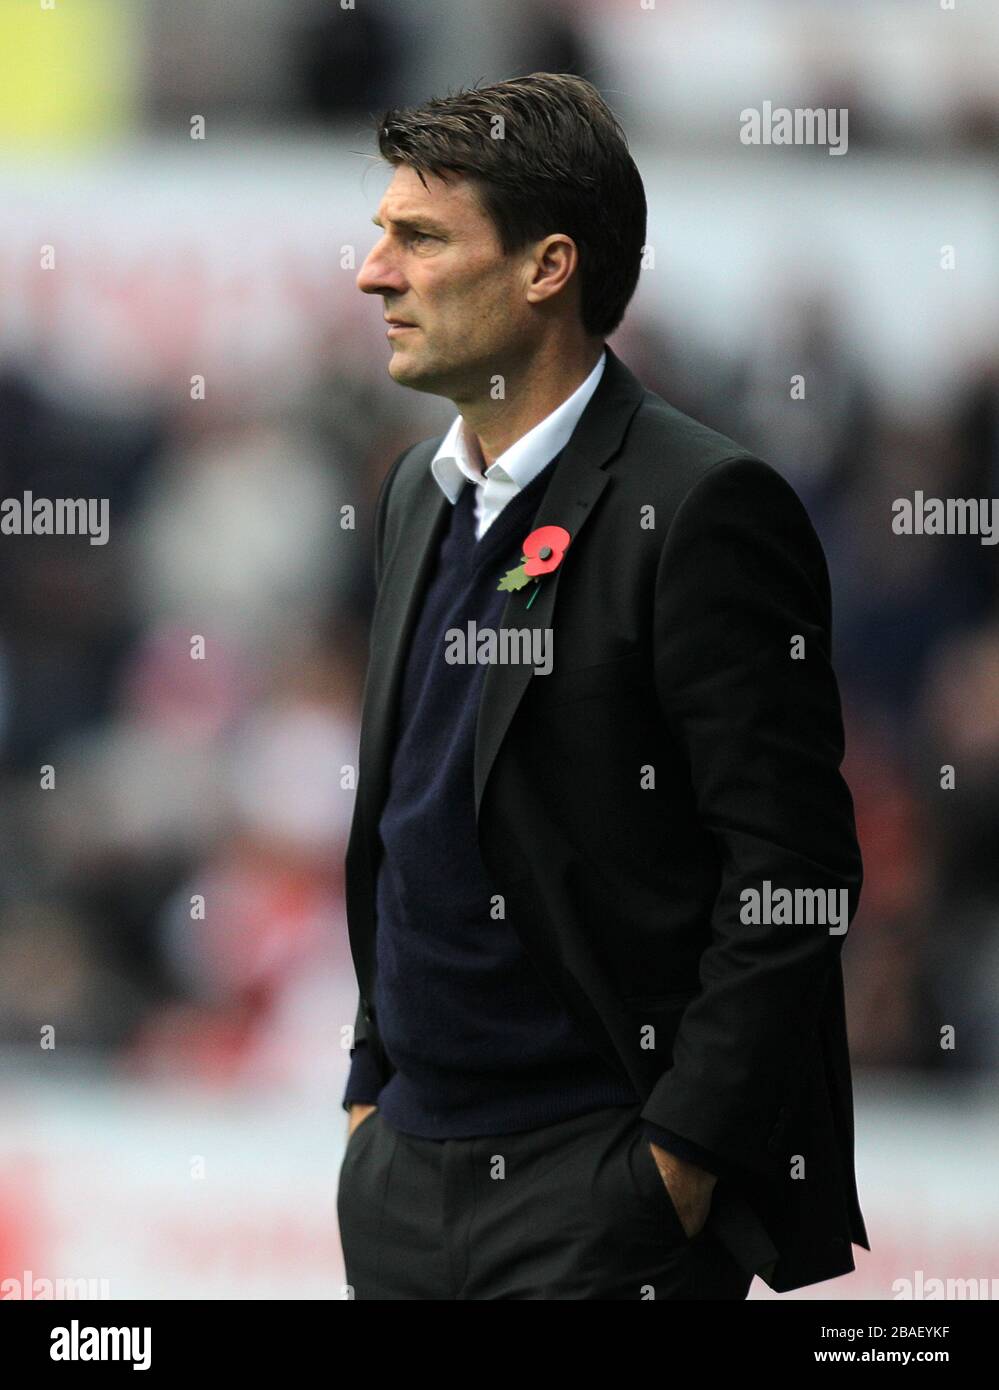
[453, 202]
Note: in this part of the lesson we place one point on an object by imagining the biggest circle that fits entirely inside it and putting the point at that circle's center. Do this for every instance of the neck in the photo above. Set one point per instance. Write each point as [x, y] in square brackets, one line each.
[534, 387]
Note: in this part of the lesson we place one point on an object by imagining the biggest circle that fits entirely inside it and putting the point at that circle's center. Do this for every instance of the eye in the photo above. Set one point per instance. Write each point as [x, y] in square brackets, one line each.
[422, 236]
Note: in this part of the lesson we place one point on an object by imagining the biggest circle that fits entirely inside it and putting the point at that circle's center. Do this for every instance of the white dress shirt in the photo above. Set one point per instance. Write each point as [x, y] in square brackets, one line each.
[455, 462]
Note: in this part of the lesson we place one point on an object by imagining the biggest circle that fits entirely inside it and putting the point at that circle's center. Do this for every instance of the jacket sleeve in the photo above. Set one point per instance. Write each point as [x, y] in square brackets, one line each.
[364, 1079]
[740, 577]
[683, 1148]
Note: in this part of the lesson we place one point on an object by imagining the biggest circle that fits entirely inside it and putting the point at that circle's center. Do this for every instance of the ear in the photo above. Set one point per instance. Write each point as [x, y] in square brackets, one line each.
[555, 260]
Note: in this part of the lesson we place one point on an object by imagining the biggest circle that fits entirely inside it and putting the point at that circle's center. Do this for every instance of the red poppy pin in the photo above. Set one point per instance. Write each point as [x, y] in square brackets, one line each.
[543, 550]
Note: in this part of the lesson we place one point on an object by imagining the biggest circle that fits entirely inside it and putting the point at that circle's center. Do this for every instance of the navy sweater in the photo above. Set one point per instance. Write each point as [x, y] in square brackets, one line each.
[479, 1042]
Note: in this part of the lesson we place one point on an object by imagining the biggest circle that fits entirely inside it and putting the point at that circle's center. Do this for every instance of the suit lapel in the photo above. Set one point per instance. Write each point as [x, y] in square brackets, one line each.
[577, 482]
[567, 502]
[400, 598]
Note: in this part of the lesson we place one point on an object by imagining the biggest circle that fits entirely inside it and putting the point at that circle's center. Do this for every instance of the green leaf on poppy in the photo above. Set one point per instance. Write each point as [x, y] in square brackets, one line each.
[514, 579]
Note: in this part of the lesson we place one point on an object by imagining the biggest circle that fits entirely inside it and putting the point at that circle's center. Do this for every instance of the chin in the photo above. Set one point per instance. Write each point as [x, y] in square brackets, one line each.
[408, 372]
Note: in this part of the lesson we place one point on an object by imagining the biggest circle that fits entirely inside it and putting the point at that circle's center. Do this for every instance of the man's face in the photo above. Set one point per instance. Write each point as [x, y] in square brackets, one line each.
[439, 266]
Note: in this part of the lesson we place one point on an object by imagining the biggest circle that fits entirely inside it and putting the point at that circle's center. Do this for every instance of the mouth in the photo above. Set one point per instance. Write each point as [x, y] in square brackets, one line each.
[395, 328]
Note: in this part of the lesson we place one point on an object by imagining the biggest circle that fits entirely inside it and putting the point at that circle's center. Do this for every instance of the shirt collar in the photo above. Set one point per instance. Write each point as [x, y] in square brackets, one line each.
[454, 462]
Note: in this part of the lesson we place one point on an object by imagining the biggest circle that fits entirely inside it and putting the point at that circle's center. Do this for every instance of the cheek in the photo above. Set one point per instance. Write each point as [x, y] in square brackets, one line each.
[473, 307]
[483, 293]
[490, 312]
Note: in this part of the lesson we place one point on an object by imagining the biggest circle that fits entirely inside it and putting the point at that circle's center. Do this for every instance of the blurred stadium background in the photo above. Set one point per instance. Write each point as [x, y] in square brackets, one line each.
[183, 1137]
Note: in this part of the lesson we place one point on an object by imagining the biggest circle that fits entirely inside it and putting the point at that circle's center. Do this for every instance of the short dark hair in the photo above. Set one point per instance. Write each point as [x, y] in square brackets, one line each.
[562, 166]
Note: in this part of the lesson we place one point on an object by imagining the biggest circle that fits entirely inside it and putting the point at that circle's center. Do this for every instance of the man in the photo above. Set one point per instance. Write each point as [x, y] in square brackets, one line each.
[596, 894]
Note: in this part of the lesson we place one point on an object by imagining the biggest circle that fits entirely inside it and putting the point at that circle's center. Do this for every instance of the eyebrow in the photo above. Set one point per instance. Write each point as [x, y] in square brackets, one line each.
[423, 224]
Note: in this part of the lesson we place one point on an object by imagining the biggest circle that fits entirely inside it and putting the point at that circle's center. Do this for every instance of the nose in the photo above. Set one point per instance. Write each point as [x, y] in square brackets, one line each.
[378, 275]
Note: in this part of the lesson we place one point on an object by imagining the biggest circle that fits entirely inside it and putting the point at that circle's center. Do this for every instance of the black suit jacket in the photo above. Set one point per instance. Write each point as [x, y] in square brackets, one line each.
[676, 755]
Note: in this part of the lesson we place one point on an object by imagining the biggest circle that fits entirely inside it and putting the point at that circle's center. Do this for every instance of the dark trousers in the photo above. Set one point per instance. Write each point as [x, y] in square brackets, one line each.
[570, 1210]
